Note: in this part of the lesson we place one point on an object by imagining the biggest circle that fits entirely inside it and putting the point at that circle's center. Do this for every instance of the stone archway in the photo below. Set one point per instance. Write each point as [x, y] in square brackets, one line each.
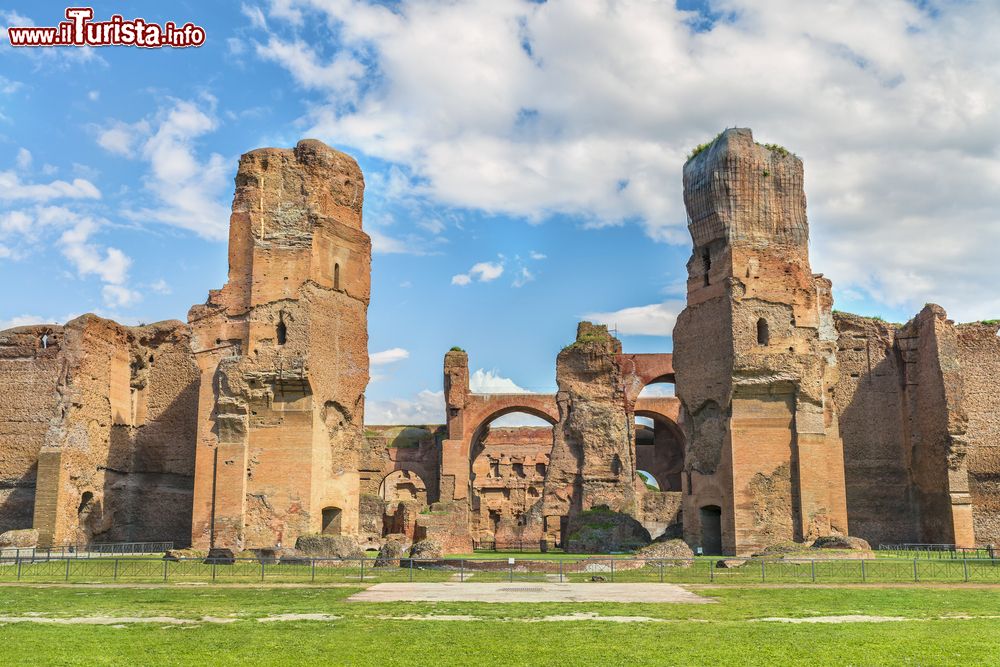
[507, 469]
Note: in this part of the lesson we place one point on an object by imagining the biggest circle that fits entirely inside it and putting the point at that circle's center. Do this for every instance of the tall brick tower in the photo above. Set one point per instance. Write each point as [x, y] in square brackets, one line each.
[283, 351]
[755, 357]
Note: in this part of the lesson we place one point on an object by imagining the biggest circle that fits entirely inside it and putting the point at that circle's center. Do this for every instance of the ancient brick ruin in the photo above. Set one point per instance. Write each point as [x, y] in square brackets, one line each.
[244, 427]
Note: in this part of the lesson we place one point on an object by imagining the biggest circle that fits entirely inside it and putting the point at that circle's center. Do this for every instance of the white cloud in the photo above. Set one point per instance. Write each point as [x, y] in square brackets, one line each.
[589, 109]
[656, 319]
[23, 160]
[73, 234]
[22, 321]
[537, 255]
[120, 138]
[111, 265]
[659, 390]
[94, 95]
[189, 191]
[8, 86]
[389, 356]
[427, 407]
[491, 382]
[484, 272]
[161, 287]
[119, 296]
[12, 189]
[524, 276]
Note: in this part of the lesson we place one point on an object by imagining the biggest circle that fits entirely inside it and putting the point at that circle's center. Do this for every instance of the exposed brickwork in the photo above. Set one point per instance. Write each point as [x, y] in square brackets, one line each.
[243, 428]
[755, 356]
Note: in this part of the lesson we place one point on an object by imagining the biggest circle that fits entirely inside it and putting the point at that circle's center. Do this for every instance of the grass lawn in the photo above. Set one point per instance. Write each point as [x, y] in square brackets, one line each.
[945, 625]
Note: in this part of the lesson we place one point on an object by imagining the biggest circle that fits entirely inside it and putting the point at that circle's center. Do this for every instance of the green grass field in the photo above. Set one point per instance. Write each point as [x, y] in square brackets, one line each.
[955, 625]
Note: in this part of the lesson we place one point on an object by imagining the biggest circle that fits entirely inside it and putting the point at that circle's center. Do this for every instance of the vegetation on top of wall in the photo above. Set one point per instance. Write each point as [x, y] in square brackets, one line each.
[778, 148]
[700, 148]
[587, 339]
[456, 348]
[990, 323]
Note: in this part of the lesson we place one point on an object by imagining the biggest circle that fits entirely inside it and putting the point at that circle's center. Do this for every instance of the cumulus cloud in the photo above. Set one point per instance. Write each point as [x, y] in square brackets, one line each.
[13, 189]
[73, 235]
[484, 272]
[656, 319]
[426, 407]
[589, 109]
[389, 356]
[491, 382]
[189, 190]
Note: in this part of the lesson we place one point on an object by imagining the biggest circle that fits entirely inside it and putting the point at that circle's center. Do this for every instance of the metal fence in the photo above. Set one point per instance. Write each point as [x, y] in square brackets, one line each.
[949, 551]
[557, 570]
[84, 550]
[542, 546]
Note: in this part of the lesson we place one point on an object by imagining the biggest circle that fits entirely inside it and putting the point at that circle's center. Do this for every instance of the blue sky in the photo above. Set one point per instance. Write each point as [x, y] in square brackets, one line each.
[543, 139]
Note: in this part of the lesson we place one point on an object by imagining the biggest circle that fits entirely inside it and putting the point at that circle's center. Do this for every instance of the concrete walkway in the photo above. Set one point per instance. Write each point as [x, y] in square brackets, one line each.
[526, 592]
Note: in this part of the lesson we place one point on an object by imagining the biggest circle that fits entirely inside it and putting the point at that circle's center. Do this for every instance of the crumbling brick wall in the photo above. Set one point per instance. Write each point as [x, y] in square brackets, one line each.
[979, 353]
[30, 365]
[283, 355]
[869, 393]
[116, 464]
[754, 355]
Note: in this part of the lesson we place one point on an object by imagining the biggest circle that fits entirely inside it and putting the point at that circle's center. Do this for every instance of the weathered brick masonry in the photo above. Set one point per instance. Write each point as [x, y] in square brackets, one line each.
[244, 427]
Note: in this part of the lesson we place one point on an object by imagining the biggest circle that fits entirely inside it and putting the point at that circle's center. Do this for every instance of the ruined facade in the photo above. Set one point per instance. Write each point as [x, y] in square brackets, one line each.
[244, 426]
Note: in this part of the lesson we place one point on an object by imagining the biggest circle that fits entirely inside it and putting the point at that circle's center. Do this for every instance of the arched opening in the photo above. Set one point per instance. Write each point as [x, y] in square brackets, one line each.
[706, 265]
[336, 276]
[403, 486]
[509, 458]
[648, 480]
[763, 333]
[331, 520]
[711, 530]
[659, 450]
[281, 331]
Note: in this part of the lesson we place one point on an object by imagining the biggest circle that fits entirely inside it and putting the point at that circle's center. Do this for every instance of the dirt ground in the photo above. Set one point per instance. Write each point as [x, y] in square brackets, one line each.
[526, 592]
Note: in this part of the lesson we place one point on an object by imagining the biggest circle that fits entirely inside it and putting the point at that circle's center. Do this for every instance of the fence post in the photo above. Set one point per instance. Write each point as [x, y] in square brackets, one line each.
[19, 568]
[115, 577]
[213, 569]
[711, 569]
[864, 577]
[813, 567]
[915, 578]
[411, 569]
[67, 569]
[312, 577]
[560, 570]
[461, 570]
[661, 571]
[612, 570]
[362, 568]
[165, 569]
[510, 564]
[763, 578]
[965, 567]
[262, 569]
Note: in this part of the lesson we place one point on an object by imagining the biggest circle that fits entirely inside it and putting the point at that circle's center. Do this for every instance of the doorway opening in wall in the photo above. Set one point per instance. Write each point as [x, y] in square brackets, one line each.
[711, 530]
[331, 520]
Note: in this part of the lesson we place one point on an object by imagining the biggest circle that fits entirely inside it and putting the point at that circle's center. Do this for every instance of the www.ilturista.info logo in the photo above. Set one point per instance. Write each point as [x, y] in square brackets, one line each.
[80, 30]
